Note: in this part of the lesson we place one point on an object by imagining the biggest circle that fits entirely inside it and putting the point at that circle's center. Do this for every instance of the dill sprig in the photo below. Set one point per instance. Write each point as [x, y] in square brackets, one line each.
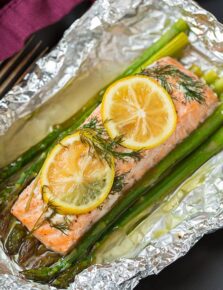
[40, 221]
[63, 227]
[94, 134]
[105, 147]
[95, 124]
[192, 88]
[35, 182]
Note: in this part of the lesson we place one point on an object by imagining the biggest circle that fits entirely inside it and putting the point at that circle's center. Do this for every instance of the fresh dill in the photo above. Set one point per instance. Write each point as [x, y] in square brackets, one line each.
[40, 221]
[51, 204]
[63, 227]
[35, 182]
[105, 148]
[119, 183]
[94, 134]
[43, 218]
[95, 124]
[192, 88]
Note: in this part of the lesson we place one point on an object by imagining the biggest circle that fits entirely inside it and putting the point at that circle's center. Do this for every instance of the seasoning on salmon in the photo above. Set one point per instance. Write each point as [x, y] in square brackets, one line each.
[190, 113]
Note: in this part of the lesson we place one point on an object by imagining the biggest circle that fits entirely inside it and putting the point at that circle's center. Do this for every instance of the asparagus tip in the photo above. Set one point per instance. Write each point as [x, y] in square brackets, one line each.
[43, 274]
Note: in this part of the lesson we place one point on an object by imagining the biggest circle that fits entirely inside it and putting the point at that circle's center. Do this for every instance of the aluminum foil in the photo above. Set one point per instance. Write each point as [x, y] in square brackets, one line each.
[107, 38]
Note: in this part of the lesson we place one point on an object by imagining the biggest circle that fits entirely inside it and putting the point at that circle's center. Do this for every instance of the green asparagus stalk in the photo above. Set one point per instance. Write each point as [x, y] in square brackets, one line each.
[5, 224]
[45, 274]
[179, 174]
[8, 195]
[177, 28]
[196, 70]
[74, 122]
[68, 276]
[177, 44]
[34, 254]
[218, 86]
[210, 77]
[15, 237]
[46, 259]
[27, 249]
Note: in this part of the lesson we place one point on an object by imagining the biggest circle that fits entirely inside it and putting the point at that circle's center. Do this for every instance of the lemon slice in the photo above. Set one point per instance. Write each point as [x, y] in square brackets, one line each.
[140, 110]
[74, 178]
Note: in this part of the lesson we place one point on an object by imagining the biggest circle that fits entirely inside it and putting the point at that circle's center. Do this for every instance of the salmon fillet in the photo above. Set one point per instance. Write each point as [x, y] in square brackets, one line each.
[190, 115]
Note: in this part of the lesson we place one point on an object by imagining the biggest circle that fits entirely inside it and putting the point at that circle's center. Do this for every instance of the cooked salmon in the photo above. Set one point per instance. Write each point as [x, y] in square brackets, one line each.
[190, 114]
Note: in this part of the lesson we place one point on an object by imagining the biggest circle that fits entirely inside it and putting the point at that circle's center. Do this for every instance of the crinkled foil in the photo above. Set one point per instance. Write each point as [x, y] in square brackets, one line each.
[110, 35]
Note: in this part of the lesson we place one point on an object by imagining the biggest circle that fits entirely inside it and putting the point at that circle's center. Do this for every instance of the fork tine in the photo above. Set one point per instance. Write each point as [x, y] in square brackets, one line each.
[27, 61]
[30, 66]
[8, 65]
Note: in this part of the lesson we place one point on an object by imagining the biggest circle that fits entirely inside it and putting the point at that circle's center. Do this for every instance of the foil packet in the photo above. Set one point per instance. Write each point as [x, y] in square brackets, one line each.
[94, 50]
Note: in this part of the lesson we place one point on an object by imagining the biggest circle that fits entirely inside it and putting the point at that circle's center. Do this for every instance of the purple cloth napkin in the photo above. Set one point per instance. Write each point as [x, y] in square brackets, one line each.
[20, 18]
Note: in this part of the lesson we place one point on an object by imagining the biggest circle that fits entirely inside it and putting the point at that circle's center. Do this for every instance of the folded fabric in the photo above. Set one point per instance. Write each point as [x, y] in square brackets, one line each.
[20, 18]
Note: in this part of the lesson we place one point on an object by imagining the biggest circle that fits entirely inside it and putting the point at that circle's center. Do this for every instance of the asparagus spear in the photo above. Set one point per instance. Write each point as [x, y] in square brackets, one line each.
[46, 259]
[211, 78]
[45, 274]
[68, 276]
[218, 86]
[75, 121]
[16, 235]
[4, 224]
[196, 70]
[27, 249]
[8, 195]
[180, 173]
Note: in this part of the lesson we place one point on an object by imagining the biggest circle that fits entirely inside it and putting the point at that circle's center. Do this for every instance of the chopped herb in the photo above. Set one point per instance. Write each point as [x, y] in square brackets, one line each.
[100, 206]
[105, 147]
[63, 227]
[40, 221]
[95, 124]
[43, 218]
[52, 206]
[119, 183]
[62, 145]
[32, 193]
[192, 88]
